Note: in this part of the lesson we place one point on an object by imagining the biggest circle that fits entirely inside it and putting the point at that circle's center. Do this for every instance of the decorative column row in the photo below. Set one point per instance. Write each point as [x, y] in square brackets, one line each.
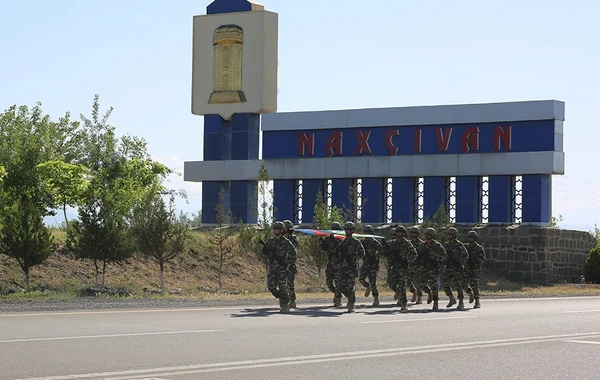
[467, 199]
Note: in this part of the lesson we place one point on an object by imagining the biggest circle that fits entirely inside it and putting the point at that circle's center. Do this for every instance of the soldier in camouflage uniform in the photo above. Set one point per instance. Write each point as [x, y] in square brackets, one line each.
[289, 234]
[370, 266]
[432, 258]
[279, 250]
[403, 255]
[332, 270]
[415, 270]
[476, 260]
[387, 253]
[350, 252]
[458, 257]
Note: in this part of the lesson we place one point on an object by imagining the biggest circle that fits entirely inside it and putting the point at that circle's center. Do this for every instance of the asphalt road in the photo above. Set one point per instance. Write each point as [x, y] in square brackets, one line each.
[549, 338]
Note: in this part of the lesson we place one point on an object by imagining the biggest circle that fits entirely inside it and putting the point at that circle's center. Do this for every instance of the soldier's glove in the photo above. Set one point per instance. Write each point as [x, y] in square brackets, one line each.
[262, 242]
[385, 243]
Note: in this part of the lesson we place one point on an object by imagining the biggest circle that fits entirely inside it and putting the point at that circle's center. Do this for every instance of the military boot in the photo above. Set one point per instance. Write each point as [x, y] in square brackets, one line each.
[477, 304]
[368, 291]
[452, 299]
[403, 307]
[337, 301]
[419, 299]
[435, 305]
[375, 301]
[350, 307]
[284, 306]
[461, 305]
[414, 297]
[292, 304]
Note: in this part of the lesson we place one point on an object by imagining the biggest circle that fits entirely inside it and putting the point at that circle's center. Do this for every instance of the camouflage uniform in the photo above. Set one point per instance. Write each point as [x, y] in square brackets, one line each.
[350, 252]
[334, 266]
[403, 256]
[432, 258]
[370, 265]
[415, 271]
[279, 250]
[289, 234]
[387, 253]
[476, 260]
[458, 258]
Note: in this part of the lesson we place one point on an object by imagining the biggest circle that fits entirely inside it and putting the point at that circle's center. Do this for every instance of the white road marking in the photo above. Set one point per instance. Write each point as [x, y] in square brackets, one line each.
[105, 336]
[581, 341]
[582, 311]
[296, 360]
[417, 319]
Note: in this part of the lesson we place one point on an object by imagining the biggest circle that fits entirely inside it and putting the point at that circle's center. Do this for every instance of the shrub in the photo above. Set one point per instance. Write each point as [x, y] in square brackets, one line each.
[591, 269]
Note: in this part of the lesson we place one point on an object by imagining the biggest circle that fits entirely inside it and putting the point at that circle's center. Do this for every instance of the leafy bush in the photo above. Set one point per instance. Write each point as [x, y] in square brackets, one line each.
[591, 269]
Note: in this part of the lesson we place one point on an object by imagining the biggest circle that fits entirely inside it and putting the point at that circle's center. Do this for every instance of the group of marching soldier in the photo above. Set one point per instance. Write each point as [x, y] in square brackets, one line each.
[412, 263]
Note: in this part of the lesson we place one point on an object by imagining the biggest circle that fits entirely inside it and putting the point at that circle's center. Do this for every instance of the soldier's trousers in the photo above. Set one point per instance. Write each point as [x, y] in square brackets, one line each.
[347, 282]
[472, 279]
[277, 283]
[370, 272]
[332, 279]
[392, 278]
[453, 276]
[414, 280]
[429, 281]
[402, 278]
[291, 285]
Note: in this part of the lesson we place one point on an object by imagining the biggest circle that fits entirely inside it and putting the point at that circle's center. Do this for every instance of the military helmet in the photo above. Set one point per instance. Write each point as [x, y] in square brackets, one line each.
[430, 231]
[349, 226]
[288, 224]
[369, 229]
[401, 229]
[335, 226]
[453, 231]
[392, 231]
[279, 225]
[472, 234]
[415, 229]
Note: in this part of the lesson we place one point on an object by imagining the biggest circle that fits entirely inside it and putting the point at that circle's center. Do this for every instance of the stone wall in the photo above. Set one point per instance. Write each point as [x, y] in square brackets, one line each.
[535, 254]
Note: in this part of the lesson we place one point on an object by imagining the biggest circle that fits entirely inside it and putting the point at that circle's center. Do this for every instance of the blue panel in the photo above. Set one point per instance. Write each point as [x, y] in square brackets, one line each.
[403, 200]
[500, 199]
[242, 192]
[284, 200]
[435, 193]
[310, 189]
[245, 130]
[468, 191]
[525, 136]
[228, 6]
[339, 193]
[210, 199]
[537, 198]
[374, 192]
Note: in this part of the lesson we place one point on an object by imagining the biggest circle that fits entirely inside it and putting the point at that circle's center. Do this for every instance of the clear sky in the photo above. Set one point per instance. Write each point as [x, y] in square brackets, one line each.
[333, 54]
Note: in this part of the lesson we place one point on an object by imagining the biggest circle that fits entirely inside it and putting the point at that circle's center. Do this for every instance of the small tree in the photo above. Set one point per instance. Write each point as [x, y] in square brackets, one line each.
[440, 221]
[350, 211]
[311, 248]
[158, 232]
[222, 236]
[591, 269]
[24, 236]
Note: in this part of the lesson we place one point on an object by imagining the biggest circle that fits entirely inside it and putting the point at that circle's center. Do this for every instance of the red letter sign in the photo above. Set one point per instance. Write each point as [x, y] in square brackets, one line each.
[334, 143]
[502, 136]
[470, 140]
[306, 142]
[363, 142]
[443, 141]
[388, 141]
[417, 141]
